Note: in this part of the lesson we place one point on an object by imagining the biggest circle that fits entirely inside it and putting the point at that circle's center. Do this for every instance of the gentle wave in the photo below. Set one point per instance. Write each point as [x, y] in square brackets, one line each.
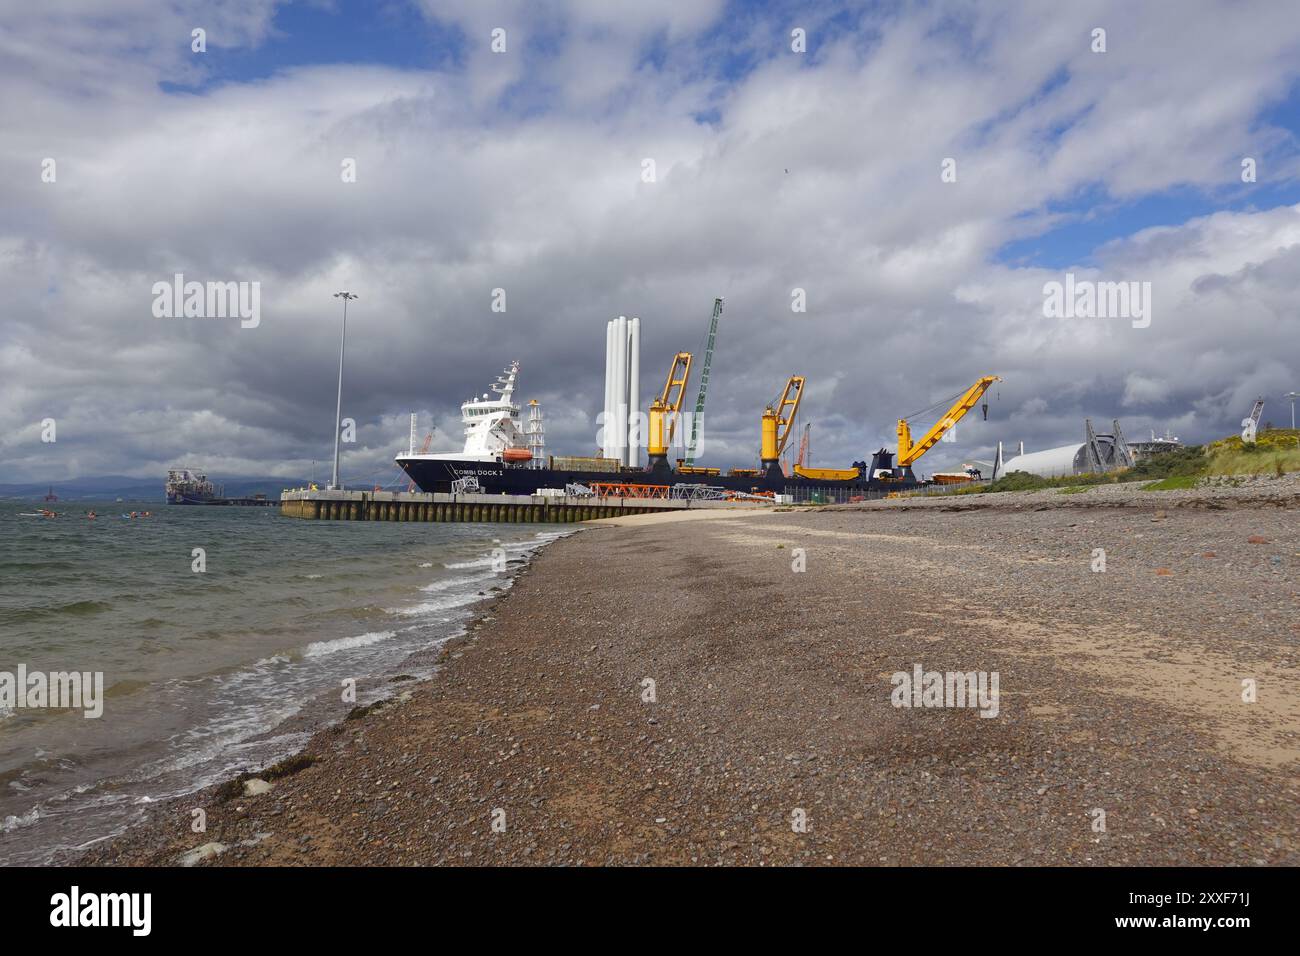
[12, 823]
[433, 607]
[321, 648]
[123, 688]
[516, 552]
[25, 566]
[465, 565]
[449, 583]
[72, 609]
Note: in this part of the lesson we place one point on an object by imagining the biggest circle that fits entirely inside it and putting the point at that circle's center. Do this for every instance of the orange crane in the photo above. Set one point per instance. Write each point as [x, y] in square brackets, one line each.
[805, 445]
[803, 452]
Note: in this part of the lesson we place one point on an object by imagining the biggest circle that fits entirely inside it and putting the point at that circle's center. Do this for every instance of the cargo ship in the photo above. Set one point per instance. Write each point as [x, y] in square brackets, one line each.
[497, 460]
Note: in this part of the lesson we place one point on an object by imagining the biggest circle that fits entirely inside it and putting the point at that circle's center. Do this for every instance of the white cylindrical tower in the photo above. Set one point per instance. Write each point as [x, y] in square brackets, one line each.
[607, 428]
[634, 392]
[620, 389]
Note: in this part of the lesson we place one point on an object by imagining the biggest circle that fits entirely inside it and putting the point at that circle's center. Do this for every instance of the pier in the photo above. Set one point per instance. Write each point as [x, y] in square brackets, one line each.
[475, 507]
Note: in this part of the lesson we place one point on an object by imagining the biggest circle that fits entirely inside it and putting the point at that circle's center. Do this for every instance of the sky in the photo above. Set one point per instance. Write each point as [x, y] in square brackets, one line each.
[916, 173]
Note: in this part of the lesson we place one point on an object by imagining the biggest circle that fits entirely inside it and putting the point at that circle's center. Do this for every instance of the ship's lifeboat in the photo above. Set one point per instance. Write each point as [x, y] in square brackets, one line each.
[516, 454]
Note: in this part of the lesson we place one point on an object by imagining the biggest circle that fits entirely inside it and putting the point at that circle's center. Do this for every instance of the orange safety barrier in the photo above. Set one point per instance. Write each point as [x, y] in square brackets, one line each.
[609, 489]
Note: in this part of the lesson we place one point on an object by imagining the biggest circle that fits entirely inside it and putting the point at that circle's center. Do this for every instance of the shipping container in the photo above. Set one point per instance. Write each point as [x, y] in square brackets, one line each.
[572, 463]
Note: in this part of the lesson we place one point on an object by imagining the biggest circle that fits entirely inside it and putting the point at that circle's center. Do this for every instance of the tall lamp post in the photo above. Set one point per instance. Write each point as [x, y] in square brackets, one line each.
[338, 407]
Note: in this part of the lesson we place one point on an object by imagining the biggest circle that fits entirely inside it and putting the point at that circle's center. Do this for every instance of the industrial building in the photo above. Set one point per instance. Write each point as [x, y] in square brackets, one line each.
[1156, 446]
[1094, 455]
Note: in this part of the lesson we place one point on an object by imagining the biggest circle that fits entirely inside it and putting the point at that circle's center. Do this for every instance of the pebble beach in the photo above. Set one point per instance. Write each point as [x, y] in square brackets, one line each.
[721, 691]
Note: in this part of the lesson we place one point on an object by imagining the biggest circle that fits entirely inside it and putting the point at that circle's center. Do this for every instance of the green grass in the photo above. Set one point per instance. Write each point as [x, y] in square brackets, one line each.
[1173, 483]
[1275, 452]
[1073, 490]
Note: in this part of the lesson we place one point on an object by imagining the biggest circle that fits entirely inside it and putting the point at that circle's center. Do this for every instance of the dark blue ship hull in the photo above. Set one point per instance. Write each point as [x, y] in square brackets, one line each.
[508, 478]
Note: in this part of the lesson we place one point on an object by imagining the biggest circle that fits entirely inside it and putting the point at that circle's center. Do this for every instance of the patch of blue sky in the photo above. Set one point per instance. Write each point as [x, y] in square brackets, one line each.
[1081, 225]
[390, 33]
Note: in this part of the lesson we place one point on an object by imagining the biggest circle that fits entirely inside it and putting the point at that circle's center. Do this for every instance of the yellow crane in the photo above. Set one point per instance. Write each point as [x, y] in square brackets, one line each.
[668, 405]
[774, 419]
[909, 451]
[778, 423]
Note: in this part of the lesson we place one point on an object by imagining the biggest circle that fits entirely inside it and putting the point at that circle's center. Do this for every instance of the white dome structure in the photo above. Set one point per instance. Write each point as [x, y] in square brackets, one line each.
[1051, 462]
[1098, 453]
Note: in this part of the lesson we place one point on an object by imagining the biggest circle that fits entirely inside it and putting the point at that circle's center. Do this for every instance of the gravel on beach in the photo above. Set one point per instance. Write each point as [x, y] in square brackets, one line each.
[719, 692]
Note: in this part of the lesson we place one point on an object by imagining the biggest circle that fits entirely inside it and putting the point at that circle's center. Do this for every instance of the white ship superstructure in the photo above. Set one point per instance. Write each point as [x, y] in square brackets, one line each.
[491, 424]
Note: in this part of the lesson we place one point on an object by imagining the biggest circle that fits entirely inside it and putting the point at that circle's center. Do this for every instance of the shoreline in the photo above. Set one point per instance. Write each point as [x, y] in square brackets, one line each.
[533, 743]
[283, 696]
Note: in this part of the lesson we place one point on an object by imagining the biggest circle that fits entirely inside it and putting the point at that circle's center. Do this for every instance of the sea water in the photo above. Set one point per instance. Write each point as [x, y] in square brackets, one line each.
[225, 636]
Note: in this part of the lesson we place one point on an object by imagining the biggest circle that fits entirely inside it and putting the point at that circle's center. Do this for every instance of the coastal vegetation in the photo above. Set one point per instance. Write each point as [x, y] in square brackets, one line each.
[1275, 451]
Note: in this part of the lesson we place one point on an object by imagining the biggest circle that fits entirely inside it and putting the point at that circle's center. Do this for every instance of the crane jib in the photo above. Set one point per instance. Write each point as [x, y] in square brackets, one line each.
[694, 440]
[909, 452]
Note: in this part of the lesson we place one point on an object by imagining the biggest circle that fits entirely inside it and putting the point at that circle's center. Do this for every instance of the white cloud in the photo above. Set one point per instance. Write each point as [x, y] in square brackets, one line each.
[1140, 390]
[522, 171]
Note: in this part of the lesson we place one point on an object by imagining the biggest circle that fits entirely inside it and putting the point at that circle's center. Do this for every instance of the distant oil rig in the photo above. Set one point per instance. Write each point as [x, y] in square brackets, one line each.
[186, 487]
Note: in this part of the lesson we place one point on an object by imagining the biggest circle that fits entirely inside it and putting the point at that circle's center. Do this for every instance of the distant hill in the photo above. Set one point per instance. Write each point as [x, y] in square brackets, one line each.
[100, 487]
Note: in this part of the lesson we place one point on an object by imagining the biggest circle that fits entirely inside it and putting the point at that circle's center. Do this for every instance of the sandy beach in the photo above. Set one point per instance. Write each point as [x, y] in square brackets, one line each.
[719, 691]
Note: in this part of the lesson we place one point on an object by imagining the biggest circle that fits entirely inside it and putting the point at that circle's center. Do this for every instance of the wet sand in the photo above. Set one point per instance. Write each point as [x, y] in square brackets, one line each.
[1121, 735]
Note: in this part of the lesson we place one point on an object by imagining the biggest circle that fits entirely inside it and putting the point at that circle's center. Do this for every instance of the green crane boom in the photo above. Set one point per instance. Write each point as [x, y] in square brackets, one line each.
[698, 417]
